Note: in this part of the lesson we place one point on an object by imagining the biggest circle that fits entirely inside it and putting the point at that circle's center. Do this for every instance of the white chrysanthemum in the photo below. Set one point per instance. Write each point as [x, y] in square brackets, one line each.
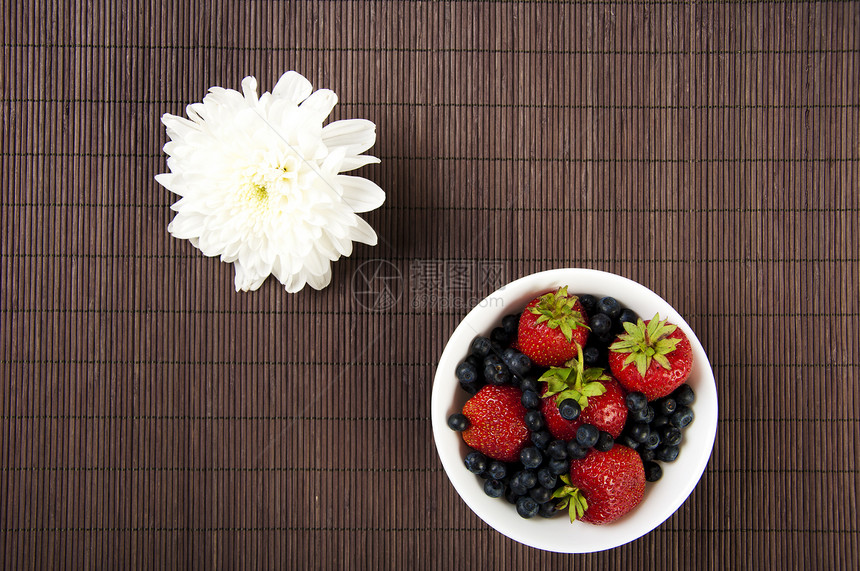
[259, 181]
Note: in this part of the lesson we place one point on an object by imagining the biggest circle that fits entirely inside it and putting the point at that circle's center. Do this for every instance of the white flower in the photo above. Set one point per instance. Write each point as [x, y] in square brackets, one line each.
[259, 181]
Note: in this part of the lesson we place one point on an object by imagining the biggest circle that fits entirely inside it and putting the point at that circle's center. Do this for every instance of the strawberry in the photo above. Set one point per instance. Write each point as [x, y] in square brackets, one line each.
[653, 357]
[607, 411]
[496, 422]
[603, 486]
[551, 327]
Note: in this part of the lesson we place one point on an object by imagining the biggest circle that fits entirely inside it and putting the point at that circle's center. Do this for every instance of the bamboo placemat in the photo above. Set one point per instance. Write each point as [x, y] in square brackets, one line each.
[151, 416]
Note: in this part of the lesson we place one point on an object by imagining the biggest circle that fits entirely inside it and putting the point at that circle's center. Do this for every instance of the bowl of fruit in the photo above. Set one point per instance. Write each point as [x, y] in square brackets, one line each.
[574, 410]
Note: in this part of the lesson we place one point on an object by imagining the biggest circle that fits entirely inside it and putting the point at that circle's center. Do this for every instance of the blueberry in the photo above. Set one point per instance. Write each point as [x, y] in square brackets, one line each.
[547, 479]
[518, 363]
[627, 316]
[659, 421]
[529, 383]
[511, 324]
[547, 510]
[605, 442]
[682, 418]
[628, 441]
[666, 406]
[601, 324]
[647, 455]
[569, 409]
[481, 347]
[587, 435]
[531, 457]
[458, 422]
[671, 436]
[653, 471]
[497, 470]
[534, 420]
[667, 453]
[575, 451]
[525, 478]
[475, 462]
[684, 395]
[559, 467]
[645, 415]
[557, 449]
[540, 494]
[639, 431]
[635, 401]
[471, 388]
[541, 439]
[477, 362]
[492, 360]
[498, 377]
[653, 441]
[591, 355]
[606, 338]
[512, 495]
[589, 303]
[494, 488]
[609, 306]
[530, 399]
[466, 373]
[500, 336]
[527, 507]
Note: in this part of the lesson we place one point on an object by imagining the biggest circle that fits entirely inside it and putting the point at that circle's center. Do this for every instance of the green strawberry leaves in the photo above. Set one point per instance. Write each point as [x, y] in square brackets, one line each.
[571, 498]
[557, 310]
[646, 343]
[574, 382]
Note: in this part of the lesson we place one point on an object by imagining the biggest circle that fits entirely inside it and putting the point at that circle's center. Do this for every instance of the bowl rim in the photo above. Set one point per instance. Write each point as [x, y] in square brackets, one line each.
[538, 532]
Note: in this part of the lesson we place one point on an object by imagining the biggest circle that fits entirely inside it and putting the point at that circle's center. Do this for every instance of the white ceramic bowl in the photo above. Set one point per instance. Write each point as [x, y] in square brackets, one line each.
[662, 498]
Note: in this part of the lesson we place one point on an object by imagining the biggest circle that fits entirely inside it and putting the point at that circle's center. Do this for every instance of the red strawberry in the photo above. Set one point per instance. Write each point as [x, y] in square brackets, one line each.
[608, 412]
[496, 425]
[653, 357]
[551, 327]
[603, 486]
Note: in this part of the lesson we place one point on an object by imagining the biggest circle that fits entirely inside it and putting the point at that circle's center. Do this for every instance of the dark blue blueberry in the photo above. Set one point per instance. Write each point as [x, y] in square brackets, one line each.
[500, 336]
[494, 488]
[684, 395]
[520, 364]
[627, 316]
[666, 406]
[605, 442]
[559, 467]
[458, 422]
[530, 383]
[653, 441]
[682, 418]
[466, 373]
[589, 303]
[547, 509]
[606, 339]
[569, 409]
[530, 399]
[511, 324]
[471, 388]
[547, 479]
[534, 420]
[525, 478]
[645, 415]
[609, 306]
[659, 421]
[527, 507]
[591, 355]
[493, 360]
[601, 324]
[502, 377]
[575, 451]
[653, 471]
[477, 362]
[541, 439]
[515, 490]
[475, 462]
[557, 449]
[481, 347]
[667, 453]
[639, 431]
[587, 435]
[497, 470]
[628, 441]
[635, 401]
[540, 494]
[671, 436]
[647, 455]
[531, 457]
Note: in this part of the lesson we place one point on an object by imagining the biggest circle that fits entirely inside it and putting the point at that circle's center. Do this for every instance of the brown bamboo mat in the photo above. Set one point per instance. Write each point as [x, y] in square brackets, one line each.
[150, 415]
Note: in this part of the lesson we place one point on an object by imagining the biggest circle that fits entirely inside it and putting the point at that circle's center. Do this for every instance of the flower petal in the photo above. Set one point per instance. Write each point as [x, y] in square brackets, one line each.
[361, 194]
[357, 135]
[319, 105]
[293, 87]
